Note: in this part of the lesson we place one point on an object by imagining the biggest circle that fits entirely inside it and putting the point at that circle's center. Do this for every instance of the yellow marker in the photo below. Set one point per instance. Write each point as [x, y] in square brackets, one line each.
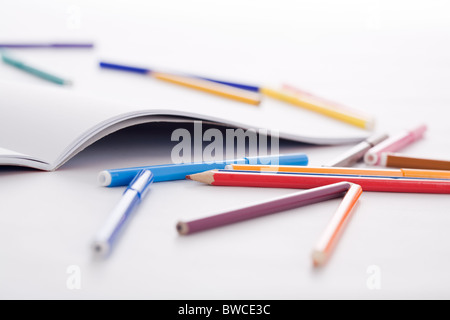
[410, 173]
[211, 87]
[325, 109]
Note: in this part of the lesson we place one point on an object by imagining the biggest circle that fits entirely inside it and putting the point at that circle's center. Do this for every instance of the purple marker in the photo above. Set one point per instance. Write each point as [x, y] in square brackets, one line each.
[46, 45]
[287, 202]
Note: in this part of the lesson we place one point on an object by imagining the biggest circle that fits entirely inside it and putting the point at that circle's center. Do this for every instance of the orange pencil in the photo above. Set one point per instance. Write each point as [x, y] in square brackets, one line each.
[407, 173]
[333, 230]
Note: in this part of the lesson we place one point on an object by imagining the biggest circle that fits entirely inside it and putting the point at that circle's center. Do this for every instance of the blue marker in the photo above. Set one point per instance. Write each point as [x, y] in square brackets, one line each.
[120, 67]
[126, 68]
[233, 84]
[168, 172]
[132, 196]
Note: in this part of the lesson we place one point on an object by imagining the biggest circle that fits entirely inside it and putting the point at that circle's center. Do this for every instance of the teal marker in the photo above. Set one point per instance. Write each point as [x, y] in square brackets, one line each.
[169, 172]
[36, 72]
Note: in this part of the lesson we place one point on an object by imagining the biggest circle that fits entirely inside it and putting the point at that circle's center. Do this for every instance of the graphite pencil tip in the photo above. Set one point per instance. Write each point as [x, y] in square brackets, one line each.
[205, 177]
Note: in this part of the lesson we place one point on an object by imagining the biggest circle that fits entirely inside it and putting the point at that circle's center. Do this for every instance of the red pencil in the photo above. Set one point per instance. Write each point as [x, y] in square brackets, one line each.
[301, 181]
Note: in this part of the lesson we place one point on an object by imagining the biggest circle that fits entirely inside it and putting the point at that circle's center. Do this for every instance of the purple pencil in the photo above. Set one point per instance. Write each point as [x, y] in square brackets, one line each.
[45, 45]
[287, 202]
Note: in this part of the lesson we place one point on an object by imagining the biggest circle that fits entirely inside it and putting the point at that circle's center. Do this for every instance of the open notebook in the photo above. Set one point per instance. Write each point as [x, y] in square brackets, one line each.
[43, 127]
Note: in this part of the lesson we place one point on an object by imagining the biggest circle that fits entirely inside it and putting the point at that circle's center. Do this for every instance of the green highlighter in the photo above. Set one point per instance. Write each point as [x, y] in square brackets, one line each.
[39, 73]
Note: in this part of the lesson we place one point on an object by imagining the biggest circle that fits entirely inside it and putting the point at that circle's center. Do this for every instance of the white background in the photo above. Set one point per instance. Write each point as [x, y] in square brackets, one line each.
[389, 58]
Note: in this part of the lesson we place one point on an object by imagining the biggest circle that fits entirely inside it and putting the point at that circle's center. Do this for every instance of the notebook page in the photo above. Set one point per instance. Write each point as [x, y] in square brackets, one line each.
[43, 122]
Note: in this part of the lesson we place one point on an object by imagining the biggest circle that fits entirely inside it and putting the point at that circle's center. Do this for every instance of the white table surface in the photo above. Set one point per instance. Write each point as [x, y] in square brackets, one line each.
[389, 58]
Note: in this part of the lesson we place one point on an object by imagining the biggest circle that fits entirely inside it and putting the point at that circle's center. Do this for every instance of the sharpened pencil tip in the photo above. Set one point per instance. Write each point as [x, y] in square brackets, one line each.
[188, 177]
[204, 177]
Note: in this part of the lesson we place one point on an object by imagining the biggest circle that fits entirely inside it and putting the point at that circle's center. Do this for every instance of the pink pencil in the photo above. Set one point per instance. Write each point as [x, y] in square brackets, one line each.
[394, 143]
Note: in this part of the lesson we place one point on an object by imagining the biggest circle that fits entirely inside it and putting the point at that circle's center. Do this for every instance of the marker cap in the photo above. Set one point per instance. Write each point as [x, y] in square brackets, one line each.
[376, 139]
[418, 132]
[141, 182]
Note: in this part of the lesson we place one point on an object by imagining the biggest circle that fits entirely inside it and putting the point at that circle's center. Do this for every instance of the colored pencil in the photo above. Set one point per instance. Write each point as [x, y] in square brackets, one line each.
[306, 181]
[34, 71]
[394, 143]
[330, 236]
[278, 204]
[335, 113]
[402, 161]
[407, 173]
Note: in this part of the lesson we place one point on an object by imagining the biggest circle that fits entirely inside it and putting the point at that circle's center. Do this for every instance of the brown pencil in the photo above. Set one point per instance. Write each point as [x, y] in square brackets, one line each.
[396, 160]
